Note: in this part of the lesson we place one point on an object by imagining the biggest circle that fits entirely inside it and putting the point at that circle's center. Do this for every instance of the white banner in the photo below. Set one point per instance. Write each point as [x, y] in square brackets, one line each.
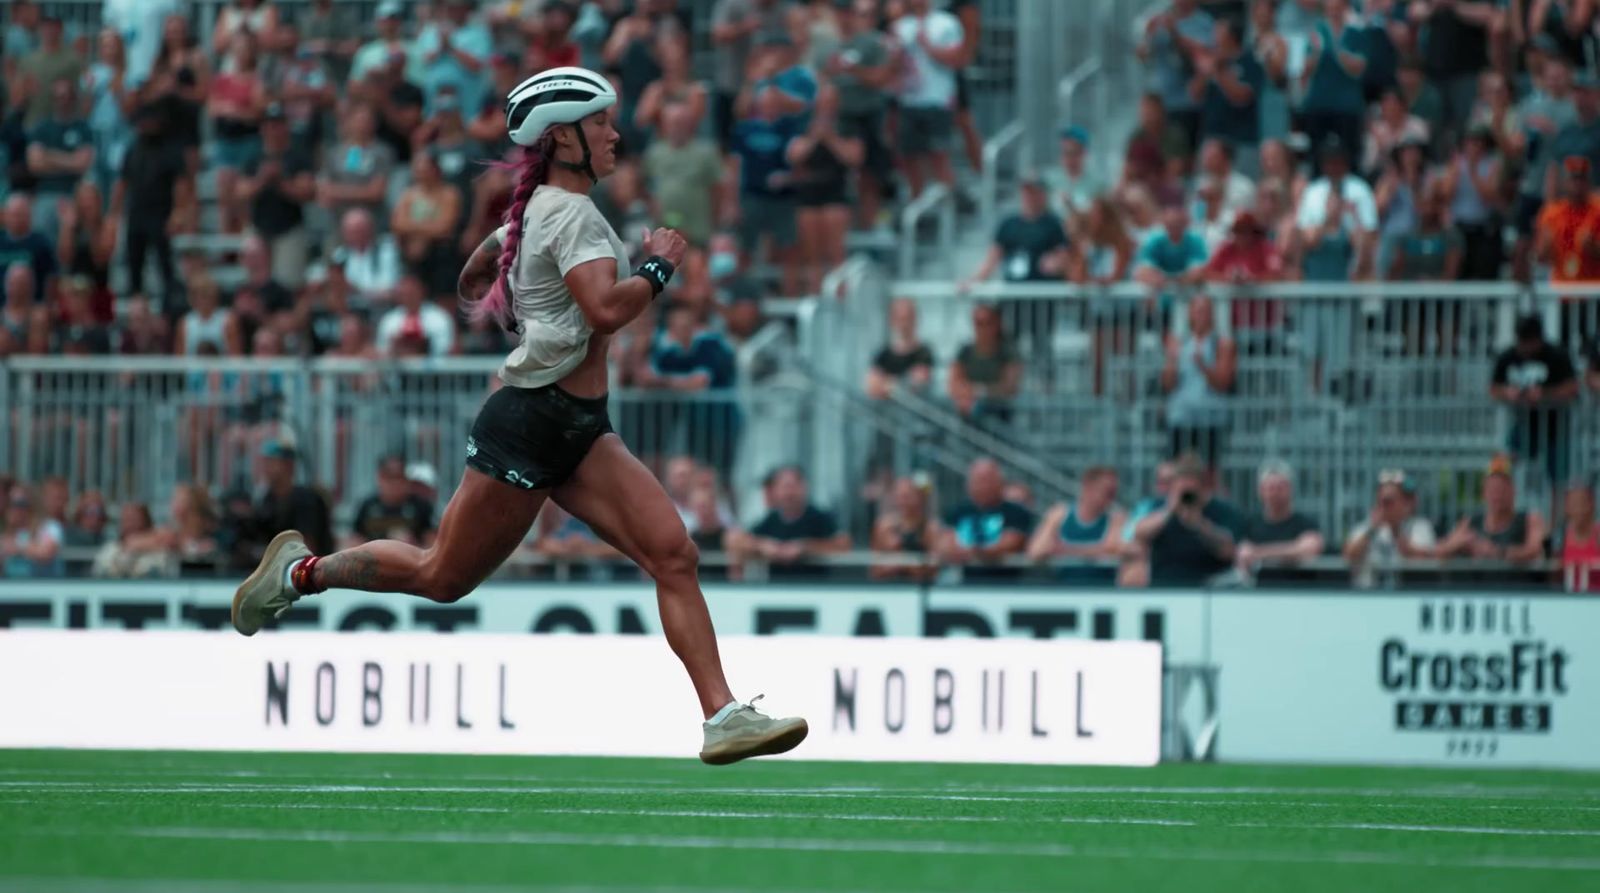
[1438, 680]
[1174, 618]
[1010, 701]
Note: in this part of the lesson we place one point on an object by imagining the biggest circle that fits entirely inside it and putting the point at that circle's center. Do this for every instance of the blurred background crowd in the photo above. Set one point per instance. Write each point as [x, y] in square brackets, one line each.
[303, 180]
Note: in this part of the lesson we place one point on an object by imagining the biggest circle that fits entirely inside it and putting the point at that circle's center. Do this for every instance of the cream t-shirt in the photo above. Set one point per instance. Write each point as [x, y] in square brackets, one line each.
[560, 230]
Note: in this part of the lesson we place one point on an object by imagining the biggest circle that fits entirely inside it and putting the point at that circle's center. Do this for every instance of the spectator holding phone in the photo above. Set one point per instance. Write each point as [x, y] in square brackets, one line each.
[1192, 538]
[1392, 531]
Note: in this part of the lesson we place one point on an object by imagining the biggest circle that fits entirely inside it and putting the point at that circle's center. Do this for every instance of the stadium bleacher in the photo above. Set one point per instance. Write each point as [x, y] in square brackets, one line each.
[1158, 146]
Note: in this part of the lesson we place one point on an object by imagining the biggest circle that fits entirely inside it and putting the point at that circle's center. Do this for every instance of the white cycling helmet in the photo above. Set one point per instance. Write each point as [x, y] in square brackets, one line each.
[558, 96]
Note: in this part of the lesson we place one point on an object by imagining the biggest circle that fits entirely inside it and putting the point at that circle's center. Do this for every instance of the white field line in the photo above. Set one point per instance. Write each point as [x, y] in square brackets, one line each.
[1078, 820]
[74, 789]
[190, 885]
[1427, 829]
[670, 786]
[1328, 804]
[857, 817]
[1545, 795]
[361, 807]
[1470, 789]
[176, 773]
[830, 845]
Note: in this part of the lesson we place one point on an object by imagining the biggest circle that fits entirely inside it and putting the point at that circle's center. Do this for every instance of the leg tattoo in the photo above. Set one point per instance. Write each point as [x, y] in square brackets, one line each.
[355, 569]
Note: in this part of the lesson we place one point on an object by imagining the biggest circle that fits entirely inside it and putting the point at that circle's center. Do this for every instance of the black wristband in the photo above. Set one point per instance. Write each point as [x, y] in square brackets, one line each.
[657, 271]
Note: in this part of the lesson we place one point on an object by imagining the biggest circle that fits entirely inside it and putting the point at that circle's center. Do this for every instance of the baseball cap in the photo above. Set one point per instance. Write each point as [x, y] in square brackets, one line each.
[1399, 478]
[422, 473]
[1247, 222]
[275, 112]
[390, 9]
[1499, 465]
[1076, 134]
[1576, 165]
[278, 449]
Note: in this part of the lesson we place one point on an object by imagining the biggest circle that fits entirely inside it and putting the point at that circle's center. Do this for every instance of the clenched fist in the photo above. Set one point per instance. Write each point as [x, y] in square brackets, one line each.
[667, 244]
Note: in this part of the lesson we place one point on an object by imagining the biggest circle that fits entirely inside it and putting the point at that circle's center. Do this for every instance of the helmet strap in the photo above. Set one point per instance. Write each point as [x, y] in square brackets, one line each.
[585, 167]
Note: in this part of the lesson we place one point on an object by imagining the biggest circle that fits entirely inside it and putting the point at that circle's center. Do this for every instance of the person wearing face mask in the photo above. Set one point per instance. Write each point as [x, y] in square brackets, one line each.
[738, 295]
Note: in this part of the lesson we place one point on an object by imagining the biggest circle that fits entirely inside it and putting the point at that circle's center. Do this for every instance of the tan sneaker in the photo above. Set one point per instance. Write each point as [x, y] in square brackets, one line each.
[747, 732]
[266, 594]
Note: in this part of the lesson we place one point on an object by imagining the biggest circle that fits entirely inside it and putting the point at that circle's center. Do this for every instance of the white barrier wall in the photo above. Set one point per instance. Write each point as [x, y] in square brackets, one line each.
[1435, 678]
[881, 699]
[1356, 679]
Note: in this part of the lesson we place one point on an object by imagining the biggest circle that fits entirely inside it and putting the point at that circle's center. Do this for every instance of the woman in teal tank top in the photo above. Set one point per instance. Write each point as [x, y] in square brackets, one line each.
[1088, 529]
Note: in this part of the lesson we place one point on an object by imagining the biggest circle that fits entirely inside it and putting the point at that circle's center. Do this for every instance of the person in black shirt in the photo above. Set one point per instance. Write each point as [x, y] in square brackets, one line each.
[1277, 533]
[60, 152]
[19, 244]
[1192, 538]
[1455, 51]
[152, 172]
[1499, 530]
[281, 504]
[80, 332]
[794, 528]
[1536, 382]
[905, 360]
[1030, 246]
[393, 512]
[460, 157]
[260, 298]
[986, 527]
[1229, 81]
[277, 185]
[399, 106]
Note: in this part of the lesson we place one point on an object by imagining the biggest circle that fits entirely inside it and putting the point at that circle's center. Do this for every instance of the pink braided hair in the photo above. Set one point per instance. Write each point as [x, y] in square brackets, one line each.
[535, 163]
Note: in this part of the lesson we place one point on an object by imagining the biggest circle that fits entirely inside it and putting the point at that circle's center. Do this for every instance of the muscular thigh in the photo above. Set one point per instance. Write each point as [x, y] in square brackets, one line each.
[622, 502]
[485, 522]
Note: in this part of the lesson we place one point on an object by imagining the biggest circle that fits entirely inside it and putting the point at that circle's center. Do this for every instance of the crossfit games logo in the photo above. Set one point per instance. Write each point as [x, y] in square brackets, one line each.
[1475, 669]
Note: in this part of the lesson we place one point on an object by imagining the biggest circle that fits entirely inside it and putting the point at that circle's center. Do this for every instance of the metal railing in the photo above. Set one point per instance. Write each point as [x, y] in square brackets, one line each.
[915, 258]
[133, 428]
[1341, 381]
[994, 149]
[1067, 93]
[1327, 572]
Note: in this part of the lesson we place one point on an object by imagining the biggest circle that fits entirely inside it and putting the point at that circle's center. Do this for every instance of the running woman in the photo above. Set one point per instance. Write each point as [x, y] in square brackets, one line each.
[556, 272]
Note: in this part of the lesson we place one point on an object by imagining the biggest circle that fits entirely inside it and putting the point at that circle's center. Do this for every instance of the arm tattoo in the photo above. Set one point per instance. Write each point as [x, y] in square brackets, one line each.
[482, 268]
[355, 569]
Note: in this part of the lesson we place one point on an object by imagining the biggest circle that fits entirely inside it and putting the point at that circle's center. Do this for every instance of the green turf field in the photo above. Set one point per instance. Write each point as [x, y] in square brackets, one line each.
[234, 822]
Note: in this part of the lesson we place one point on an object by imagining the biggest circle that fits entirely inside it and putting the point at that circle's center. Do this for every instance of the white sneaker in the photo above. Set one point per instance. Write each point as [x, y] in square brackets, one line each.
[747, 732]
[266, 594]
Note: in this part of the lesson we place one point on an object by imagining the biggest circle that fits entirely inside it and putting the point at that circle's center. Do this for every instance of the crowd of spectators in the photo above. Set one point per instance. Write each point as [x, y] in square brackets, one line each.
[1184, 533]
[1316, 140]
[355, 157]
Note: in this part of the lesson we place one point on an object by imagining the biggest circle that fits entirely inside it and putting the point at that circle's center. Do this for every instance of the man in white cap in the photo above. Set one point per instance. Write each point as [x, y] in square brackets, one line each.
[391, 40]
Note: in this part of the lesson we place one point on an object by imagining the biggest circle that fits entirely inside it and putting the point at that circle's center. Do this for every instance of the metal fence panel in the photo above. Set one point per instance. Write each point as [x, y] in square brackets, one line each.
[135, 428]
[1339, 381]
